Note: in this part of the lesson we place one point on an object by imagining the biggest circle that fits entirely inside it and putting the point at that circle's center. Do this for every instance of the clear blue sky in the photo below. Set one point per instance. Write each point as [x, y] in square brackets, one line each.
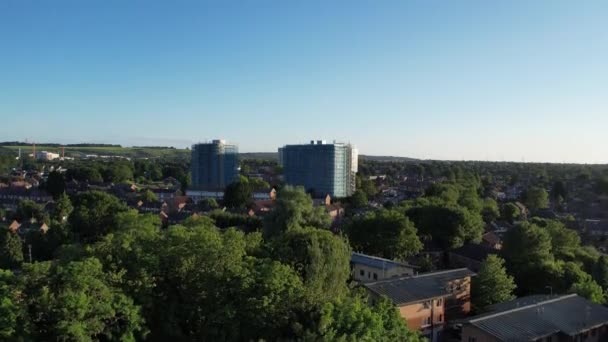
[484, 80]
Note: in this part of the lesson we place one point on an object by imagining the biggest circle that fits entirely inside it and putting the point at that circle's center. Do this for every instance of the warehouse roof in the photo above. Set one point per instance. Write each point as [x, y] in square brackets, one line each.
[570, 315]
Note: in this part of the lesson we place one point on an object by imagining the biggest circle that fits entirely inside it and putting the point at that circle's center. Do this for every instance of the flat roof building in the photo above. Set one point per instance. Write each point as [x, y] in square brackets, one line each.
[368, 268]
[540, 318]
[214, 165]
[427, 301]
[321, 168]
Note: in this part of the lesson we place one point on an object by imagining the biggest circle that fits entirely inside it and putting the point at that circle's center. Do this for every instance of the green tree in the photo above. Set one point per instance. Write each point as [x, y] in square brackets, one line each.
[536, 198]
[527, 251]
[9, 305]
[208, 204]
[11, 250]
[589, 289]
[449, 226]
[148, 196]
[358, 199]
[63, 208]
[28, 209]
[559, 190]
[238, 194]
[367, 186]
[384, 233]
[321, 258]
[600, 272]
[77, 302]
[294, 209]
[565, 243]
[492, 284]
[94, 215]
[490, 211]
[510, 212]
[55, 184]
[118, 172]
[353, 319]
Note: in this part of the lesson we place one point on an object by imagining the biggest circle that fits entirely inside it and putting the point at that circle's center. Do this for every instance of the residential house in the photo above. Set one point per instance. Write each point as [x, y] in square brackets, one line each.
[549, 319]
[492, 240]
[28, 226]
[11, 196]
[367, 268]
[596, 227]
[427, 301]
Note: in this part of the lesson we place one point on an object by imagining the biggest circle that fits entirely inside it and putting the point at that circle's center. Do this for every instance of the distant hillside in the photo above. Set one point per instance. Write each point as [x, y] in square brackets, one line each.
[275, 156]
[388, 158]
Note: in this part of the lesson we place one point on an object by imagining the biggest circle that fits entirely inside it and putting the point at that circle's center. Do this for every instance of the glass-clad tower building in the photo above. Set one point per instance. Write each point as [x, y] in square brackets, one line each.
[321, 168]
[214, 165]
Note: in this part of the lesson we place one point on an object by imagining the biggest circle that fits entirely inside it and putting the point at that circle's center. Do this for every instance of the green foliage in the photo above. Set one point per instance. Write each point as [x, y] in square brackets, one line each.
[490, 211]
[527, 251]
[294, 209]
[358, 199]
[257, 184]
[84, 174]
[589, 289]
[63, 208]
[367, 186]
[385, 233]
[208, 204]
[510, 212]
[55, 184]
[536, 198]
[94, 215]
[492, 284]
[9, 307]
[449, 226]
[77, 302]
[601, 185]
[352, 319]
[559, 190]
[148, 196]
[118, 172]
[11, 250]
[564, 242]
[600, 272]
[321, 258]
[225, 219]
[238, 194]
[28, 209]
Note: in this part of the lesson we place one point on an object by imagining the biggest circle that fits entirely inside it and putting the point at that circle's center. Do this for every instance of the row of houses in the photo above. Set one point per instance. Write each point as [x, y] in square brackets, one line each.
[438, 305]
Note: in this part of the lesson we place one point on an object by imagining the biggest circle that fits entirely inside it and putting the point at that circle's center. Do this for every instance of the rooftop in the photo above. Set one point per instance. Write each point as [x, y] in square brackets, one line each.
[530, 318]
[376, 262]
[411, 289]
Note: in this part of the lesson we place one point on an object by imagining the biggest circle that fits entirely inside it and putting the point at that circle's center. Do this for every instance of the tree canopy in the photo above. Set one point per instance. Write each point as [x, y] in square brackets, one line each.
[385, 233]
[294, 208]
[492, 284]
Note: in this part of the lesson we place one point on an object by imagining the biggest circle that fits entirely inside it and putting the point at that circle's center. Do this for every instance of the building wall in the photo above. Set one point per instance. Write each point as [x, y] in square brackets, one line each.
[320, 168]
[471, 333]
[458, 305]
[417, 314]
[214, 165]
[380, 274]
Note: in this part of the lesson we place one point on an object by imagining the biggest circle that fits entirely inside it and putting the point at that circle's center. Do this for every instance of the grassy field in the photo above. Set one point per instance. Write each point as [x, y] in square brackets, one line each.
[131, 152]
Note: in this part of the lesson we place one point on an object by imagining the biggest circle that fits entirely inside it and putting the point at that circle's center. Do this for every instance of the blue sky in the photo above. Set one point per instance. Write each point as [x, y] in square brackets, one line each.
[483, 80]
